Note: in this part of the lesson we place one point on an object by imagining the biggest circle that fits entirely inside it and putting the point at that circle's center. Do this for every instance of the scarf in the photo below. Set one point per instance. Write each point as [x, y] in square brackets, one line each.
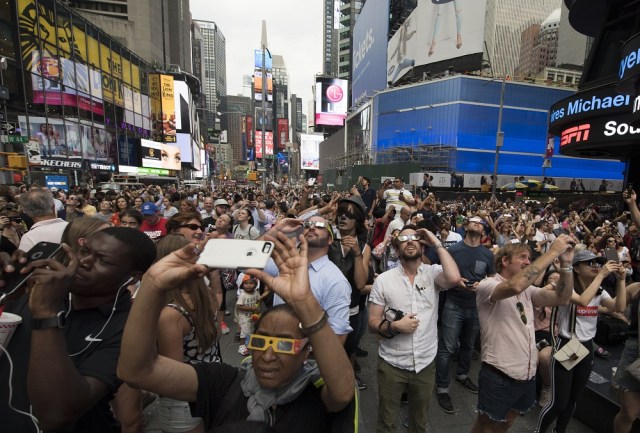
[262, 399]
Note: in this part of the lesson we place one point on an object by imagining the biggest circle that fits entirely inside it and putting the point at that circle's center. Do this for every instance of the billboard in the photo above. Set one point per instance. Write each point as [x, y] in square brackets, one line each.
[183, 106]
[184, 143]
[249, 130]
[264, 118]
[257, 82]
[257, 59]
[331, 101]
[53, 138]
[370, 50]
[435, 32]
[52, 33]
[310, 151]
[268, 138]
[160, 155]
[163, 108]
[283, 132]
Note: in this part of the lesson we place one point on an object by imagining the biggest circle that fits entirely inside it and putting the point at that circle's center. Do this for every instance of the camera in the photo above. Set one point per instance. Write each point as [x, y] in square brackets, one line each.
[394, 314]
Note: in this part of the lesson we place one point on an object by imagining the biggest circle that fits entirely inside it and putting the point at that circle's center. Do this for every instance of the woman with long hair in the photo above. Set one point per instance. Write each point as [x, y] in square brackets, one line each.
[579, 318]
[121, 205]
[244, 228]
[186, 333]
[169, 209]
[187, 206]
[137, 203]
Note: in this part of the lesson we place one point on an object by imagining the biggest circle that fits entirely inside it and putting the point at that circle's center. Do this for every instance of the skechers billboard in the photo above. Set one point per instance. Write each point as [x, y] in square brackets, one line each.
[370, 50]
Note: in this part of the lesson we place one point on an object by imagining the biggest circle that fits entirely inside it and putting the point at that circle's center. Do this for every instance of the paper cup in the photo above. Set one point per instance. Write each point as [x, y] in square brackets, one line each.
[8, 324]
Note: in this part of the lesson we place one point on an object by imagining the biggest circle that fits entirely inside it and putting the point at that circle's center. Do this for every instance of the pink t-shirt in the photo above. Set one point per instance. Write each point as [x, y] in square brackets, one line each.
[507, 343]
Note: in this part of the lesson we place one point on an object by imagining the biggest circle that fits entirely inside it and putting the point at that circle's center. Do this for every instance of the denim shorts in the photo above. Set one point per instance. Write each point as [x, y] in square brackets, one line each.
[169, 415]
[498, 394]
[624, 380]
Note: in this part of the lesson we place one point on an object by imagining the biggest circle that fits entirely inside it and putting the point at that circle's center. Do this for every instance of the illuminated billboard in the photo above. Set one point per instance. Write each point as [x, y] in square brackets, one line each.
[310, 151]
[160, 155]
[257, 59]
[163, 108]
[283, 132]
[331, 101]
[257, 82]
[434, 32]
[53, 34]
[268, 138]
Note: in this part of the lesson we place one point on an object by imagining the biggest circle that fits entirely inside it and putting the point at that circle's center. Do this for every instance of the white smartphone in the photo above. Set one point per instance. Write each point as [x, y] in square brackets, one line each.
[236, 254]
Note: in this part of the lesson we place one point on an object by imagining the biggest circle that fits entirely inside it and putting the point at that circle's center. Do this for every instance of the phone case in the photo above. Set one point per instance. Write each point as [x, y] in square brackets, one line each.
[611, 254]
[15, 280]
[236, 254]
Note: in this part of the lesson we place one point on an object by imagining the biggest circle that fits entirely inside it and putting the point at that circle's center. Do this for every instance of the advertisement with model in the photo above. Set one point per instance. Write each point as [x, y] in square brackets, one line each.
[370, 51]
[436, 30]
[310, 151]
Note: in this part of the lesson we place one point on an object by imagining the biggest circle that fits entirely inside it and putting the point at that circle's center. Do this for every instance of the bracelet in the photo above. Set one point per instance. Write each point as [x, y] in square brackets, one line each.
[312, 329]
[569, 269]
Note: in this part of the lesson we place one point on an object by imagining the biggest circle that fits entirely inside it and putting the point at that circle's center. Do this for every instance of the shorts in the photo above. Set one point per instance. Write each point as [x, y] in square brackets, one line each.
[624, 380]
[498, 394]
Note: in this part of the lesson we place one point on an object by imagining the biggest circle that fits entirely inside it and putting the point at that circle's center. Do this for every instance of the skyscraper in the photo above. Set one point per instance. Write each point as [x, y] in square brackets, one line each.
[330, 39]
[214, 65]
[539, 45]
[505, 22]
[233, 109]
[281, 86]
[349, 11]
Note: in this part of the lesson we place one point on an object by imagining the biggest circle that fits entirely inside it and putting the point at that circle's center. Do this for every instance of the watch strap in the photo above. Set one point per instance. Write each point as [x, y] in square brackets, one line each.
[57, 321]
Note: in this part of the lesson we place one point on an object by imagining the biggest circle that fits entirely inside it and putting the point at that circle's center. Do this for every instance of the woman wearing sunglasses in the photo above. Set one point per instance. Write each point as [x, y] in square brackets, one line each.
[188, 225]
[566, 385]
[279, 384]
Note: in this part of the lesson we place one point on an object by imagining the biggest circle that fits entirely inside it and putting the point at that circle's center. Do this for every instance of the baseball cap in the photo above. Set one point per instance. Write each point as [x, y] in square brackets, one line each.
[585, 256]
[149, 209]
[221, 202]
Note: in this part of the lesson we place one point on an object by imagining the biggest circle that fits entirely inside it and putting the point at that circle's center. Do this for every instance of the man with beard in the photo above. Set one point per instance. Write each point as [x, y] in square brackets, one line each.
[351, 255]
[459, 321]
[403, 310]
[328, 284]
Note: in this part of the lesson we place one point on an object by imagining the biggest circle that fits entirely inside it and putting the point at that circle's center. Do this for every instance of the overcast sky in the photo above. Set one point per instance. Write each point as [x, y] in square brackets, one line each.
[294, 31]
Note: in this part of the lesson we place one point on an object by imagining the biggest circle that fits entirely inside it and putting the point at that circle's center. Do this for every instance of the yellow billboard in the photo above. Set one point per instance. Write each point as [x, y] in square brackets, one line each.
[38, 30]
[163, 108]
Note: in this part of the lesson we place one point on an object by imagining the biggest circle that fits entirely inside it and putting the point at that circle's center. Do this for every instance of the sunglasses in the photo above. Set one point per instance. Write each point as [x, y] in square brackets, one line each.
[592, 263]
[289, 346]
[405, 238]
[316, 224]
[523, 316]
[191, 226]
[349, 215]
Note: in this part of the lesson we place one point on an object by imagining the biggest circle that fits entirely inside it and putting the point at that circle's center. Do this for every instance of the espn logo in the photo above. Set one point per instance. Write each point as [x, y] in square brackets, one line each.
[575, 134]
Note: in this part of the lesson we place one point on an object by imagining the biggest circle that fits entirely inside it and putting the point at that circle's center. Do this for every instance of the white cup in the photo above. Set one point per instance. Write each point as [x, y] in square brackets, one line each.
[8, 324]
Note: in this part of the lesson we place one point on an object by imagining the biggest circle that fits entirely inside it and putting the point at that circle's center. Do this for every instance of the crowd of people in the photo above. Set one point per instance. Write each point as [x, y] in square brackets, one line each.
[125, 319]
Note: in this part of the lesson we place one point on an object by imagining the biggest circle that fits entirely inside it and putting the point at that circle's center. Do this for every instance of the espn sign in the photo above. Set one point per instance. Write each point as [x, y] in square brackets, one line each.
[575, 134]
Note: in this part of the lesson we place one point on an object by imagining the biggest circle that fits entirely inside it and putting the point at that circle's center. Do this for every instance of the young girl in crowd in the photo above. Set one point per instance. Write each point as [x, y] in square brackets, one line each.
[247, 307]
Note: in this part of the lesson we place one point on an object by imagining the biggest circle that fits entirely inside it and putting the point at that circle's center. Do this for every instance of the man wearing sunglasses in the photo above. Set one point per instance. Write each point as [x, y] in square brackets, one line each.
[459, 321]
[505, 303]
[398, 195]
[403, 310]
[329, 286]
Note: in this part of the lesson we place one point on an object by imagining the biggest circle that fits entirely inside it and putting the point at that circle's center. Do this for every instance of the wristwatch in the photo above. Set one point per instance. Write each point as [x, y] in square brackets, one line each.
[58, 321]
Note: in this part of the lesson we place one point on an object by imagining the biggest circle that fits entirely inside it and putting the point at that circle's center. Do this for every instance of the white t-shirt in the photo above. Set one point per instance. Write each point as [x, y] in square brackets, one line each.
[586, 318]
[452, 238]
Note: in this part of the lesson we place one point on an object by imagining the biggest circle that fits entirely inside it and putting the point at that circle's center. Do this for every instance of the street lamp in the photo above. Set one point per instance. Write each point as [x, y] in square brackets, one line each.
[499, 136]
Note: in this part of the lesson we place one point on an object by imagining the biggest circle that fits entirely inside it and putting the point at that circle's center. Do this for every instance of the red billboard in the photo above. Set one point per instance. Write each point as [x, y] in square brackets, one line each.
[249, 130]
[283, 132]
[268, 138]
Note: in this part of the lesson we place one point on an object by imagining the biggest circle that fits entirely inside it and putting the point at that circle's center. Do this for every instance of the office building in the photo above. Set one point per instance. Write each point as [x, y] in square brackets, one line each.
[349, 11]
[232, 110]
[538, 46]
[330, 38]
[572, 46]
[214, 65]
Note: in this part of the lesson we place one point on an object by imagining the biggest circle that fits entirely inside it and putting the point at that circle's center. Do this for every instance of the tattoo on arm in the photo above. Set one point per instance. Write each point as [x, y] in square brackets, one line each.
[532, 273]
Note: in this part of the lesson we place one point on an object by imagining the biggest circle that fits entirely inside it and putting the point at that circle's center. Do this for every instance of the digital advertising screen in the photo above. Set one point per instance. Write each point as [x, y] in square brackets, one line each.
[160, 155]
[310, 151]
[331, 101]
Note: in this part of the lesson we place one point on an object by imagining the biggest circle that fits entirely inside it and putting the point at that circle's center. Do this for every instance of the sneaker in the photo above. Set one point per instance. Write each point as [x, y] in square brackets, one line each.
[445, 402]
[468, 384]
[356, 367]
[224, 328]
[360, 384]
[242, 350]
[545, 396]
[361, 353]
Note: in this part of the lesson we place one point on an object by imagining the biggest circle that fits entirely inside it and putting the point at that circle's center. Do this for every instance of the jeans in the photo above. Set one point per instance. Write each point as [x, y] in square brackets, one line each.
[457, 324]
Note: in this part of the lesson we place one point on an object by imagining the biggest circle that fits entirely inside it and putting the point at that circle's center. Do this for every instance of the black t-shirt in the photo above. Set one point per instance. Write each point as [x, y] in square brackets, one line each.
[99, 361]
[474, 263]
[221, 401]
